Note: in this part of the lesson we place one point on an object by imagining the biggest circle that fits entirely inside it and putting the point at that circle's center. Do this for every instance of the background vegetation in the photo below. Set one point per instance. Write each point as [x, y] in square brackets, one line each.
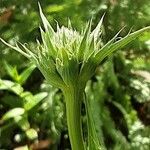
[32, 113]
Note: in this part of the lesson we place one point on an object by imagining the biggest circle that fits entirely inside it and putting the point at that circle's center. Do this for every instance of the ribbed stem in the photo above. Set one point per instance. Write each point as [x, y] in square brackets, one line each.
[73, 98]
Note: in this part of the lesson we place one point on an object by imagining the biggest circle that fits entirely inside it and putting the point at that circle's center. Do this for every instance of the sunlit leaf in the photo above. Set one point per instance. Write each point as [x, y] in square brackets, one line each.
[13, 113]
[11, 86]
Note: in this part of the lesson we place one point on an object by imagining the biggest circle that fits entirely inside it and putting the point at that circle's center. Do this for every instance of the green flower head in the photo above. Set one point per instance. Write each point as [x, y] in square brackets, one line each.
[67, 57]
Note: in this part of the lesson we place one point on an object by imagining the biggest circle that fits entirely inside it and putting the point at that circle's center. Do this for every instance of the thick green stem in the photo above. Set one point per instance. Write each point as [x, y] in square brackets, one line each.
[73, 98]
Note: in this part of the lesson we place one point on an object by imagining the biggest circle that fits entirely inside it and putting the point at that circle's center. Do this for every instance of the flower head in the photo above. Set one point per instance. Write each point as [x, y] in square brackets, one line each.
[68, 57]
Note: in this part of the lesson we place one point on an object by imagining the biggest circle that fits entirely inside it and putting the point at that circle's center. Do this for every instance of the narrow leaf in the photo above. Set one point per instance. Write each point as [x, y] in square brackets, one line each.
[97, 31]
[47, 42]
[69, 24]
[31, 101]
[83, 44]
[12, 71]
[46, 24]
[110, 47]
[11, 86]
[13, 113]
[16, 49]
[25, 74]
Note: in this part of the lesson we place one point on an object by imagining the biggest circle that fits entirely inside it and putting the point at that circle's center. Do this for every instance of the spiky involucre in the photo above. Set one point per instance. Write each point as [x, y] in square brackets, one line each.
[67, 56]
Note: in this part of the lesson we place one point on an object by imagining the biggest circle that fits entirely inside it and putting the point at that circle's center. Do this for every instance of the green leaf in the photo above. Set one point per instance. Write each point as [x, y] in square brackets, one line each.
[83, 45]
[12, 71]
[98, 30]
[16, 48]
[110, 47]
[22, 122]
[31, 101]
[11, 86]
[47, 43]
[46, 24]
[93, 141]
[40, 96]
[69, 25]
[13, 113]
[25, 74]
[94, 109]
[48, 68]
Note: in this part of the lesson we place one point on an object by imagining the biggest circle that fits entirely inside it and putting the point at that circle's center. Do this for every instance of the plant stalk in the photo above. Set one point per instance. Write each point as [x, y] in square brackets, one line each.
[73, 98]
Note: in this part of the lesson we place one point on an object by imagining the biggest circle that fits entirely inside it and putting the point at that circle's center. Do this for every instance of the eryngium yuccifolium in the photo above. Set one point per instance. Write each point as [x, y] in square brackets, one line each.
[68, 57]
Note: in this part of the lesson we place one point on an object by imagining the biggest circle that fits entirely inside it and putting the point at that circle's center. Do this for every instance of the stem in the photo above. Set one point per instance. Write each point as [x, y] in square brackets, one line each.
[73, 97]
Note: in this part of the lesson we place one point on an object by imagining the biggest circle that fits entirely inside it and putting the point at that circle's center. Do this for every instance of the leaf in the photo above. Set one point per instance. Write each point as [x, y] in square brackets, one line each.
[69, 24]
[12, 71]
[46, 24]
[13, 113]
[93, 141]
[25, 74]
[94, 106]
[11, 86]
[16, 48]
[31, 101]
[48, 68]
[47, 42]
[22, 122]
[83, 45]
[40, 96]
[97, 31]
[110, 47]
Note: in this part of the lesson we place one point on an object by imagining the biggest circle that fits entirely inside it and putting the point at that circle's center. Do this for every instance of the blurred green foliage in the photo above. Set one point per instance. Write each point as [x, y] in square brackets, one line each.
[32, 113]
